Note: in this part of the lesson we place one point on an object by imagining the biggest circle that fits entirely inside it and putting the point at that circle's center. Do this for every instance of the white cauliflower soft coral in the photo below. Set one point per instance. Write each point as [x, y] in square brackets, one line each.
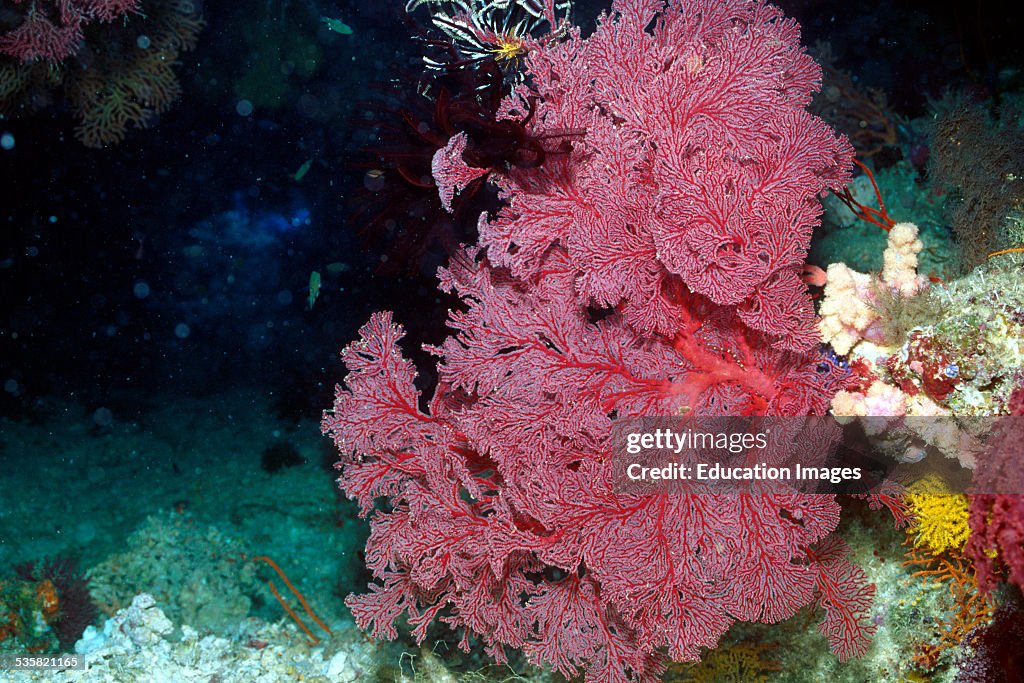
[848, 312]
[845, 312]
[900, 265]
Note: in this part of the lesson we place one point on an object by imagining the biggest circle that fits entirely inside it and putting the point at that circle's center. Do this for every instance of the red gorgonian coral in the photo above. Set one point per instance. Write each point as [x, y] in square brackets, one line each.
[51, 30]
[649, 267]
[702, 162]
[112, 60]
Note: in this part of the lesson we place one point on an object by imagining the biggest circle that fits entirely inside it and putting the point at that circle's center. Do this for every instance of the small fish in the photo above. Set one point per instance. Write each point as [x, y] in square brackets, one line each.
[338, 267]
[337, 25]
[314, 288]
[303, 170]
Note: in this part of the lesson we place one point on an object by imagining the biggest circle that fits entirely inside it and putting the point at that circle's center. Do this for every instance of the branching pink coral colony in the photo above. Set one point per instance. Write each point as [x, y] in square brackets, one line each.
[52, 30]
[683, 216]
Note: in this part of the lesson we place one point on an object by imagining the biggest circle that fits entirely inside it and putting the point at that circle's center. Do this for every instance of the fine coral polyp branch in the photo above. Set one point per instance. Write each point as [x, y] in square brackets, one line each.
[879, 216]
[1012, 250]
[302, 600]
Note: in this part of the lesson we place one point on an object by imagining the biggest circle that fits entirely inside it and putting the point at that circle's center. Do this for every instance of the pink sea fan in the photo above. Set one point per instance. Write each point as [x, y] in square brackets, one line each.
[700, 162]
[451, 172]
[500, 518]
[51, 30]
[649, 268]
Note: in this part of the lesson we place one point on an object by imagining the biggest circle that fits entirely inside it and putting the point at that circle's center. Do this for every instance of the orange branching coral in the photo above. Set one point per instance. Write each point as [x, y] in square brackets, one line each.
[969, 608]
[122, 76]
[1012, 250]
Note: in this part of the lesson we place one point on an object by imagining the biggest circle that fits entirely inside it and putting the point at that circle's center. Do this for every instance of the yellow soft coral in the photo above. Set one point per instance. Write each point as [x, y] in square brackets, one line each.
[940, 517]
